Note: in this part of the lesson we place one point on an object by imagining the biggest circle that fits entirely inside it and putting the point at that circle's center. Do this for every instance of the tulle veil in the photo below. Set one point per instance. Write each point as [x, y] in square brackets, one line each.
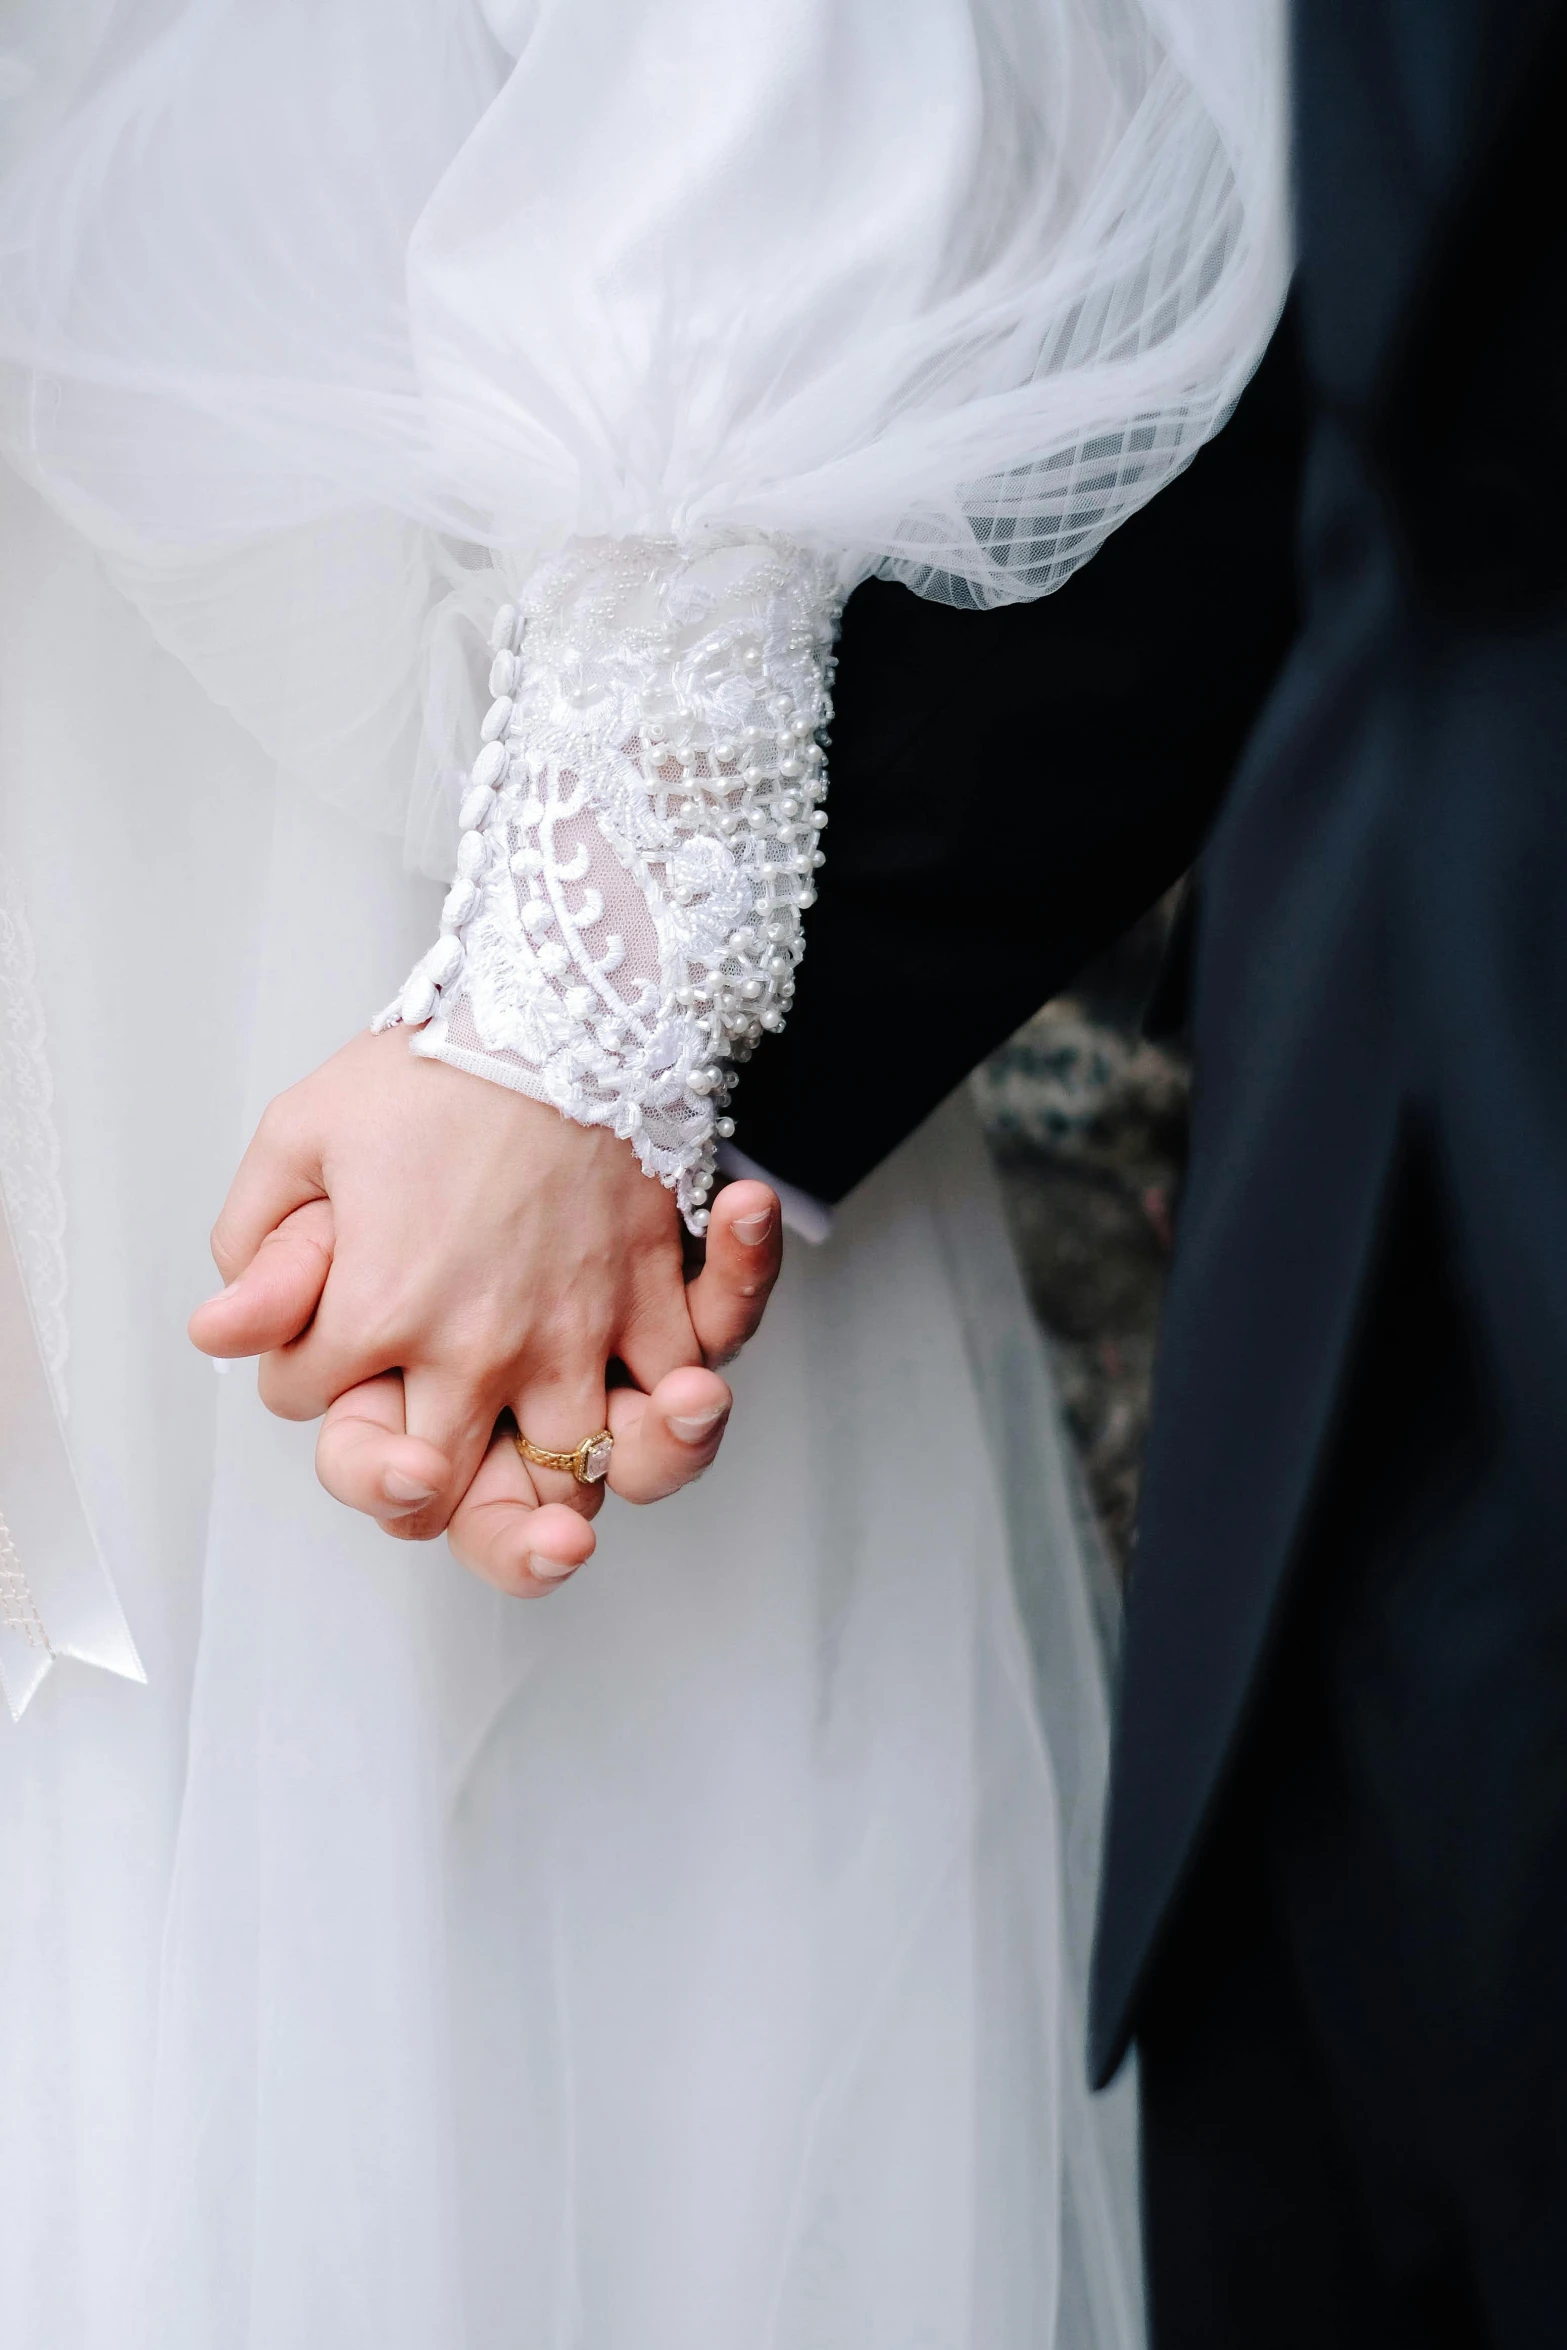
[328, 321]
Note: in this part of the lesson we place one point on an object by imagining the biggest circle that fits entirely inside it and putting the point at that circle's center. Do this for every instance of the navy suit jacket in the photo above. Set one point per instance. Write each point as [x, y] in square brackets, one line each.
[1360, 592]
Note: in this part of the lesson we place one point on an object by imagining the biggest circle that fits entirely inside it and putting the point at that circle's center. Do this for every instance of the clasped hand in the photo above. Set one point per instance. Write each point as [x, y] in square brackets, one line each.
[415, 1252]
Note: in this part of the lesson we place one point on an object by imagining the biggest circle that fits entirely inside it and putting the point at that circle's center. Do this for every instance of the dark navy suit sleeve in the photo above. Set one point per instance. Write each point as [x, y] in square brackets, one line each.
[1011, 789]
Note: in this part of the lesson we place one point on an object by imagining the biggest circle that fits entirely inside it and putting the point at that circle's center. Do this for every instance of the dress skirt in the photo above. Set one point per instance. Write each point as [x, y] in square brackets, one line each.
[690, 1961]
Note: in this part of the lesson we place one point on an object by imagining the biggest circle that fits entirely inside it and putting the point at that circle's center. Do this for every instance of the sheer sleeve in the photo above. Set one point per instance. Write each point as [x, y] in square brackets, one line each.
[670, 321]
[637, 841]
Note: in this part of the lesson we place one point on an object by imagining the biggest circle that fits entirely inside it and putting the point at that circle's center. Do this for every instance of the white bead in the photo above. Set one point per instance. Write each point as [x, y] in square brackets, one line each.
[724, 1129]
[724, 753]
[489, 769]
[472, 856]
[418, 1000]
[475, 809]
[751, 990]
[772, 1022]
[503, 627]
[699, 1081]
[699, 1219]
[503, 673]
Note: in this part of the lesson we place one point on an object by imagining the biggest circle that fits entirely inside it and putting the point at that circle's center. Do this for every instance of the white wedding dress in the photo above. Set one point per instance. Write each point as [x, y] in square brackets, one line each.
[697, 1959]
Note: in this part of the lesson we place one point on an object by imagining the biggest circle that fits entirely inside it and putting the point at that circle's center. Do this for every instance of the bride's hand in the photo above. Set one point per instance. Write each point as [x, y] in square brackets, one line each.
[492, 1252]
[502, 1528]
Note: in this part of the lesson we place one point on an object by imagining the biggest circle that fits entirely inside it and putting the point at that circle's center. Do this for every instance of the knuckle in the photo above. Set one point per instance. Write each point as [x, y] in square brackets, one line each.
[304, 1233]
[275, 1126]
[225, 1253]
[567, 1352]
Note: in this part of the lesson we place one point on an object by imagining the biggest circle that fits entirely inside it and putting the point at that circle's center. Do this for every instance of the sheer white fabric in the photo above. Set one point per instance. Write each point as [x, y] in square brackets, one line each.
[309, 307]
[331, 321]
[693, 1959]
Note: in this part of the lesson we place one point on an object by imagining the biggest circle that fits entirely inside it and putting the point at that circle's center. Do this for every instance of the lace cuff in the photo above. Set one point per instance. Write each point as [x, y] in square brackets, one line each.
[638, 841]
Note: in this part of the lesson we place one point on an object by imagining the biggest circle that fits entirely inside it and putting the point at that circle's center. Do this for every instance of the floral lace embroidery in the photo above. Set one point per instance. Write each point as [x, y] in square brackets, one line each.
[638, 840]
[29, 1145]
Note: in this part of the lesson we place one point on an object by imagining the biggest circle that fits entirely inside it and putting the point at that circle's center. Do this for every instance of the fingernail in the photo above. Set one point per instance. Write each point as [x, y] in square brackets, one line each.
[691, 1427]
[396, 1487]
[751, 1231]
[545, 1570]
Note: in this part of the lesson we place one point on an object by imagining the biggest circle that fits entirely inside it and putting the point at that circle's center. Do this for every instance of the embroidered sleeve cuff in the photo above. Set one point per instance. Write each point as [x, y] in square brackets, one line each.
[638, 841]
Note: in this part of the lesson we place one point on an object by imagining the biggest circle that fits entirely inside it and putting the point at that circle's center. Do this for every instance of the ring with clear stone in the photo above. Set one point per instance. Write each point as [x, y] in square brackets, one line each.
[587, 1461]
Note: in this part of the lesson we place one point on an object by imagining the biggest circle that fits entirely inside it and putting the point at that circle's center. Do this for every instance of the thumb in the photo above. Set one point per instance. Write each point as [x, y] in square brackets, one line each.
[729, 1296]
[273, 1300]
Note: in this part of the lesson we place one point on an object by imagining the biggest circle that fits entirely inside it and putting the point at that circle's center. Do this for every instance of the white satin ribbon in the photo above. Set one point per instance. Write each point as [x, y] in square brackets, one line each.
[57, 1598]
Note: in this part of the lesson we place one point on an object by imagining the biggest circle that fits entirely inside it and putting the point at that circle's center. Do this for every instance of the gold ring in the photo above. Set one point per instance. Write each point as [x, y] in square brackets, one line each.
[587, 1461]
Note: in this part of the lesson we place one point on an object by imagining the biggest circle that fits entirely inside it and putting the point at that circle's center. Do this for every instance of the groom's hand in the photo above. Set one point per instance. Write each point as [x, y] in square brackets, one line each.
[491, 1252]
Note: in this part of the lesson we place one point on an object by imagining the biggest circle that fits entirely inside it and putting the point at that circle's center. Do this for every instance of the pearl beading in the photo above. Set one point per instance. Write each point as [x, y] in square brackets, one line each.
[639, 840]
